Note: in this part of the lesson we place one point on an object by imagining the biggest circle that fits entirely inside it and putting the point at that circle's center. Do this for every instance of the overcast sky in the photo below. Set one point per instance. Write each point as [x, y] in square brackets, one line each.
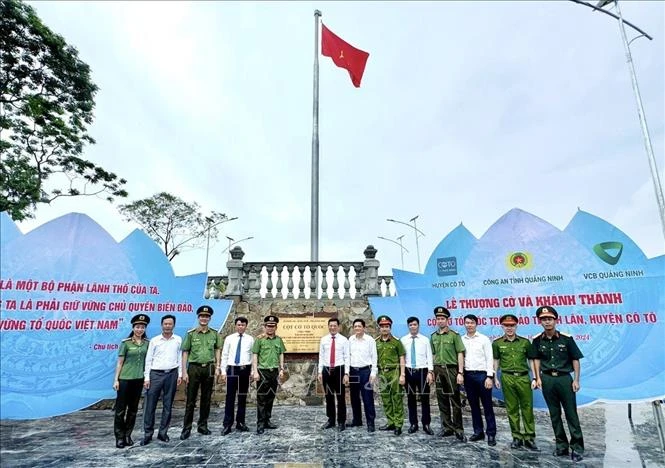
[466, 110]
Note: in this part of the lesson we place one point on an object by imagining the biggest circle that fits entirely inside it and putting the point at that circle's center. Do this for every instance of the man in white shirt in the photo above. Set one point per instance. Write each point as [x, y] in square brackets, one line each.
[334, 373]
[419, 375]
[479, 379]
[362, 375]
[161, 376]
[236, 367]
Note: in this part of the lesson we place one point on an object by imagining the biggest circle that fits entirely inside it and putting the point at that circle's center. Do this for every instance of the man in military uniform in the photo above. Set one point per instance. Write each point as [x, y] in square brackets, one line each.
[556, 356]
[448, 352]
[513, 354]
[201, 348]
[267, 366]
[392, 370]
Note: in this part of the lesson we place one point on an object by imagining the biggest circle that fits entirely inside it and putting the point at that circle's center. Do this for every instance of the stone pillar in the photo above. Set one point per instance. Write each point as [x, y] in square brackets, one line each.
[371, 273]
[234, 288]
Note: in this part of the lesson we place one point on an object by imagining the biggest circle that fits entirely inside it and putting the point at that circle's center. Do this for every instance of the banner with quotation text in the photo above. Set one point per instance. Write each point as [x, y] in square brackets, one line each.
[67, 293]
[609, 296]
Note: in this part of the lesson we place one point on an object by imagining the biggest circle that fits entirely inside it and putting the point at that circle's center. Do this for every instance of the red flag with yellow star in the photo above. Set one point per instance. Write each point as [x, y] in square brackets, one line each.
[344, 55]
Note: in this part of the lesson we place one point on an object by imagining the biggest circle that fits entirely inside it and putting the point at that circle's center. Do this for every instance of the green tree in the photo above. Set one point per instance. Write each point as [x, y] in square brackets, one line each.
[173, 223]
[47, 100]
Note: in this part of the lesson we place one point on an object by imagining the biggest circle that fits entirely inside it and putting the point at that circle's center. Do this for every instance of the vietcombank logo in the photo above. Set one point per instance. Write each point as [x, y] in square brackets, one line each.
[604, 249]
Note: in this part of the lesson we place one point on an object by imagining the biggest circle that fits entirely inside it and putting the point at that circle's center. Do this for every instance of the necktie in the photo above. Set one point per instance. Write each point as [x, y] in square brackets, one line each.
[413, 352]
[332, 351]
[237, 361]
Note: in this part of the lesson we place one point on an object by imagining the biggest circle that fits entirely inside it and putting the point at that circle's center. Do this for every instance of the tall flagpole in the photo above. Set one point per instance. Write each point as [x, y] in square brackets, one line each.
[314, 231]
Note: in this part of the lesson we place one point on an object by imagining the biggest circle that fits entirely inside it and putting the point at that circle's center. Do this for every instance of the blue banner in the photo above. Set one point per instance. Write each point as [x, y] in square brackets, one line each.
[67, 293]
[609, 296]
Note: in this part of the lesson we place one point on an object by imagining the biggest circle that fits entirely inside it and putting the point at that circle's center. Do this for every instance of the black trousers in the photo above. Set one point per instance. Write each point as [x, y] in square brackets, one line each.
[474, 384]
[335, 390]
[265, 395]
[447, 397]
[416, 384]
[164, 384]
[203, 377]
[360, 388]
[126, 407]
[237, 383]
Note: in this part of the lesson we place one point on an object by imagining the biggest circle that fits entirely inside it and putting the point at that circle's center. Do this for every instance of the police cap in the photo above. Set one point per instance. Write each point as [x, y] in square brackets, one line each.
[384, 320]
[441, 311]
[546, 311]
[508, 319]
[204, 310]
[271, 319]
[140, 318]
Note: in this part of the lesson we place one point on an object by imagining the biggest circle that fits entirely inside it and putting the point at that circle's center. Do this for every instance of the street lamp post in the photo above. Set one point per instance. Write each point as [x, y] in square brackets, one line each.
[210, 226]
[653, 167]
[233, 242]
[401, 247]
[416, 231]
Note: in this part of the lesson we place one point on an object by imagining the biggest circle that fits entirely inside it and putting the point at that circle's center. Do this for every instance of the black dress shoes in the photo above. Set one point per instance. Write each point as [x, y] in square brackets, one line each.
[146, 440]
[387, 427]
[412, 428]
[428, 430]
[184, 435]
[461, 437]
[341, 427]
[561, 453]
[515, 444]
[491, 441]
[328, 425]
[260, 430]
[476, 437]
[242, 427]
[445, 433]
[575, 457]
[398, 431]
[128, 441]
[370, 427]
[227, 430]
[163, 438]
[531, 445]
[270, 425]
[119, 443]
[203, 430]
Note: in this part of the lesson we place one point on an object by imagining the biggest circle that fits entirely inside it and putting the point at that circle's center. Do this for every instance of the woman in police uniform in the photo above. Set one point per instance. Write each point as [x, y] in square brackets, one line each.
[128, 380]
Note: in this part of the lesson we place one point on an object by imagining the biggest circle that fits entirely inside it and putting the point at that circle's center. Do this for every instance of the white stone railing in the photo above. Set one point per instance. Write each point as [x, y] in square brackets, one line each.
[301, 280]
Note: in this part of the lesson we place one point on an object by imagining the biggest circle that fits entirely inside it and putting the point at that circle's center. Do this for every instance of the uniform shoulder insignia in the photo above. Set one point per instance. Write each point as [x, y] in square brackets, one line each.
[565, 334]
[434, 333]
[453, 332]
[377, 338]
[521, 337]
[192, 330]
[129, 339]
[497, 339]
[537, 336]
[213, 330]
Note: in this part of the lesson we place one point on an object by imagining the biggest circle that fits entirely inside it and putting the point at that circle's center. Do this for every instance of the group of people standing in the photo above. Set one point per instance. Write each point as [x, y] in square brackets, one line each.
[452, 361]
[412, 363]
[162, 363]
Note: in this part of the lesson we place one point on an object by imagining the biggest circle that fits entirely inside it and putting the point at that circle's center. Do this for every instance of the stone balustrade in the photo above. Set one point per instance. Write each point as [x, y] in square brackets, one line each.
[300, 280]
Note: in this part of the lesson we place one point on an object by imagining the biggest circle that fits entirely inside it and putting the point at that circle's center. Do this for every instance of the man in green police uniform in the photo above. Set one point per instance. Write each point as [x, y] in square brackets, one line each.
[202, 349]
[392, 368]
[267, 366]
[448, 352]
[556, 356]
[513, 354]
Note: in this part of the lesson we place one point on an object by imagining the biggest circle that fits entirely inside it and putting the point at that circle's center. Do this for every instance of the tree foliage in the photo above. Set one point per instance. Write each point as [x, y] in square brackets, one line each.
[47, 99]
[173, 223]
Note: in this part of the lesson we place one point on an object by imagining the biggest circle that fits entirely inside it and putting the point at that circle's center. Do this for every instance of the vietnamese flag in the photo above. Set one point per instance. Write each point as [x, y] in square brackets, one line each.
[344, 55]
